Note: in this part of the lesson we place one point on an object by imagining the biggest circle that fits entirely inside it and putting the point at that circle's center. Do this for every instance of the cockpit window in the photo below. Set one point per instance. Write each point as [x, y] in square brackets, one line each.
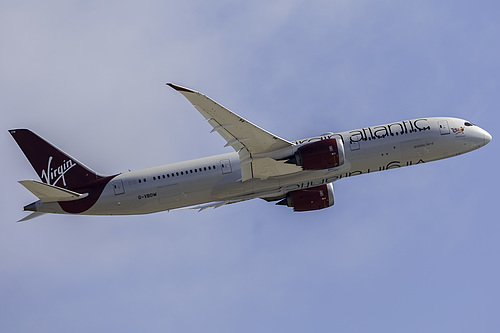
[468, 124]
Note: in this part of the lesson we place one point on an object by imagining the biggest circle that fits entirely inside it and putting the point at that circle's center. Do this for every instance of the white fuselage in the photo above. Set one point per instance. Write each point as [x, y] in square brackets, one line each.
[218, 178]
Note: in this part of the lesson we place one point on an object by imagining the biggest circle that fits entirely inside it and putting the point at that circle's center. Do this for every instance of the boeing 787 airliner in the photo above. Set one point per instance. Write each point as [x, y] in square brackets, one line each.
[297, 174]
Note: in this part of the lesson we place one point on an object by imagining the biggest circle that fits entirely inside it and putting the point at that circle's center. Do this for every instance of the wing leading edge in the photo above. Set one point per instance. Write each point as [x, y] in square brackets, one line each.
[257, 148]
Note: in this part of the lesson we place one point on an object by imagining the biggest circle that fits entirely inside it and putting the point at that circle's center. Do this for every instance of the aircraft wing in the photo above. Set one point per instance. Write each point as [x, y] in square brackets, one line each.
[254, 145]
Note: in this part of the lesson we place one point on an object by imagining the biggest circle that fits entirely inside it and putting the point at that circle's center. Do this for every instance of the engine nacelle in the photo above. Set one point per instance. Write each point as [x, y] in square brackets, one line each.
[319, 155]
[313, 198]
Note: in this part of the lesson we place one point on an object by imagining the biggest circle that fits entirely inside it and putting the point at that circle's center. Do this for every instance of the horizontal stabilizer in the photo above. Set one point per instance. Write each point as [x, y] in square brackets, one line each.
[50, 193]
[31, 216]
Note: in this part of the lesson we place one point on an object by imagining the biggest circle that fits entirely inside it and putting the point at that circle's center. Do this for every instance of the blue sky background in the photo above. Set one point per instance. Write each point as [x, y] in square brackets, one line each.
[411, 250]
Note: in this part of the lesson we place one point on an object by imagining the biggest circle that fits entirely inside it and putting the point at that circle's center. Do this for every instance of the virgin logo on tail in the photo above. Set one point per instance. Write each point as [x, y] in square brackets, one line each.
[52, 176]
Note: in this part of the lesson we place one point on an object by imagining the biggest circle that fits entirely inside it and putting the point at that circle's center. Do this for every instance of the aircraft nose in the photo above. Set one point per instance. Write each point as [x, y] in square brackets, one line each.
[477, 137]
[487, 137]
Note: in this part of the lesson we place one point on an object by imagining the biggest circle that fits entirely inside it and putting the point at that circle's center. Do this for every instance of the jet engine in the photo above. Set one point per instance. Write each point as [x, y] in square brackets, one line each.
[313, 198]
[324, 154]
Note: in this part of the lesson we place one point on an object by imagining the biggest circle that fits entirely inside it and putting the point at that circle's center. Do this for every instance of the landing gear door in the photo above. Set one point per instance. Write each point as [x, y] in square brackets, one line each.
[225, 166]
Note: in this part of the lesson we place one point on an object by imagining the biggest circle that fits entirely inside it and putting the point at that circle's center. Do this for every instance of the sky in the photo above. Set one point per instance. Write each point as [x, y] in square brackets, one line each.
[410, 250]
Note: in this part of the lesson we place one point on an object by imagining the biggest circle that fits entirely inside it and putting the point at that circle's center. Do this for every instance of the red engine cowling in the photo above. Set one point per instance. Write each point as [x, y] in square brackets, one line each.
[324, 154]
[313, 198]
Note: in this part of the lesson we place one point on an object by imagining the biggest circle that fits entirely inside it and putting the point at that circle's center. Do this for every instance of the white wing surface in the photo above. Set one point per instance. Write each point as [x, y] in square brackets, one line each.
[257, 148]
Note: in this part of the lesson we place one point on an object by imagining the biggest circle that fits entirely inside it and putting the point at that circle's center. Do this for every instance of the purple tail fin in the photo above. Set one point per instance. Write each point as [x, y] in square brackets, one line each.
[52, 165]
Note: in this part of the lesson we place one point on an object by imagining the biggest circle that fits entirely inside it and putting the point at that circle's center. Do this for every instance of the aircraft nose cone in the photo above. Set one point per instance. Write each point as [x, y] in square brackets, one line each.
[487, 137]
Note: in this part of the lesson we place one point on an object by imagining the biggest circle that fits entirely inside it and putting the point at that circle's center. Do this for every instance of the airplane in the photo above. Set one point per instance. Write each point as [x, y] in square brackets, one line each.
[298, 174]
